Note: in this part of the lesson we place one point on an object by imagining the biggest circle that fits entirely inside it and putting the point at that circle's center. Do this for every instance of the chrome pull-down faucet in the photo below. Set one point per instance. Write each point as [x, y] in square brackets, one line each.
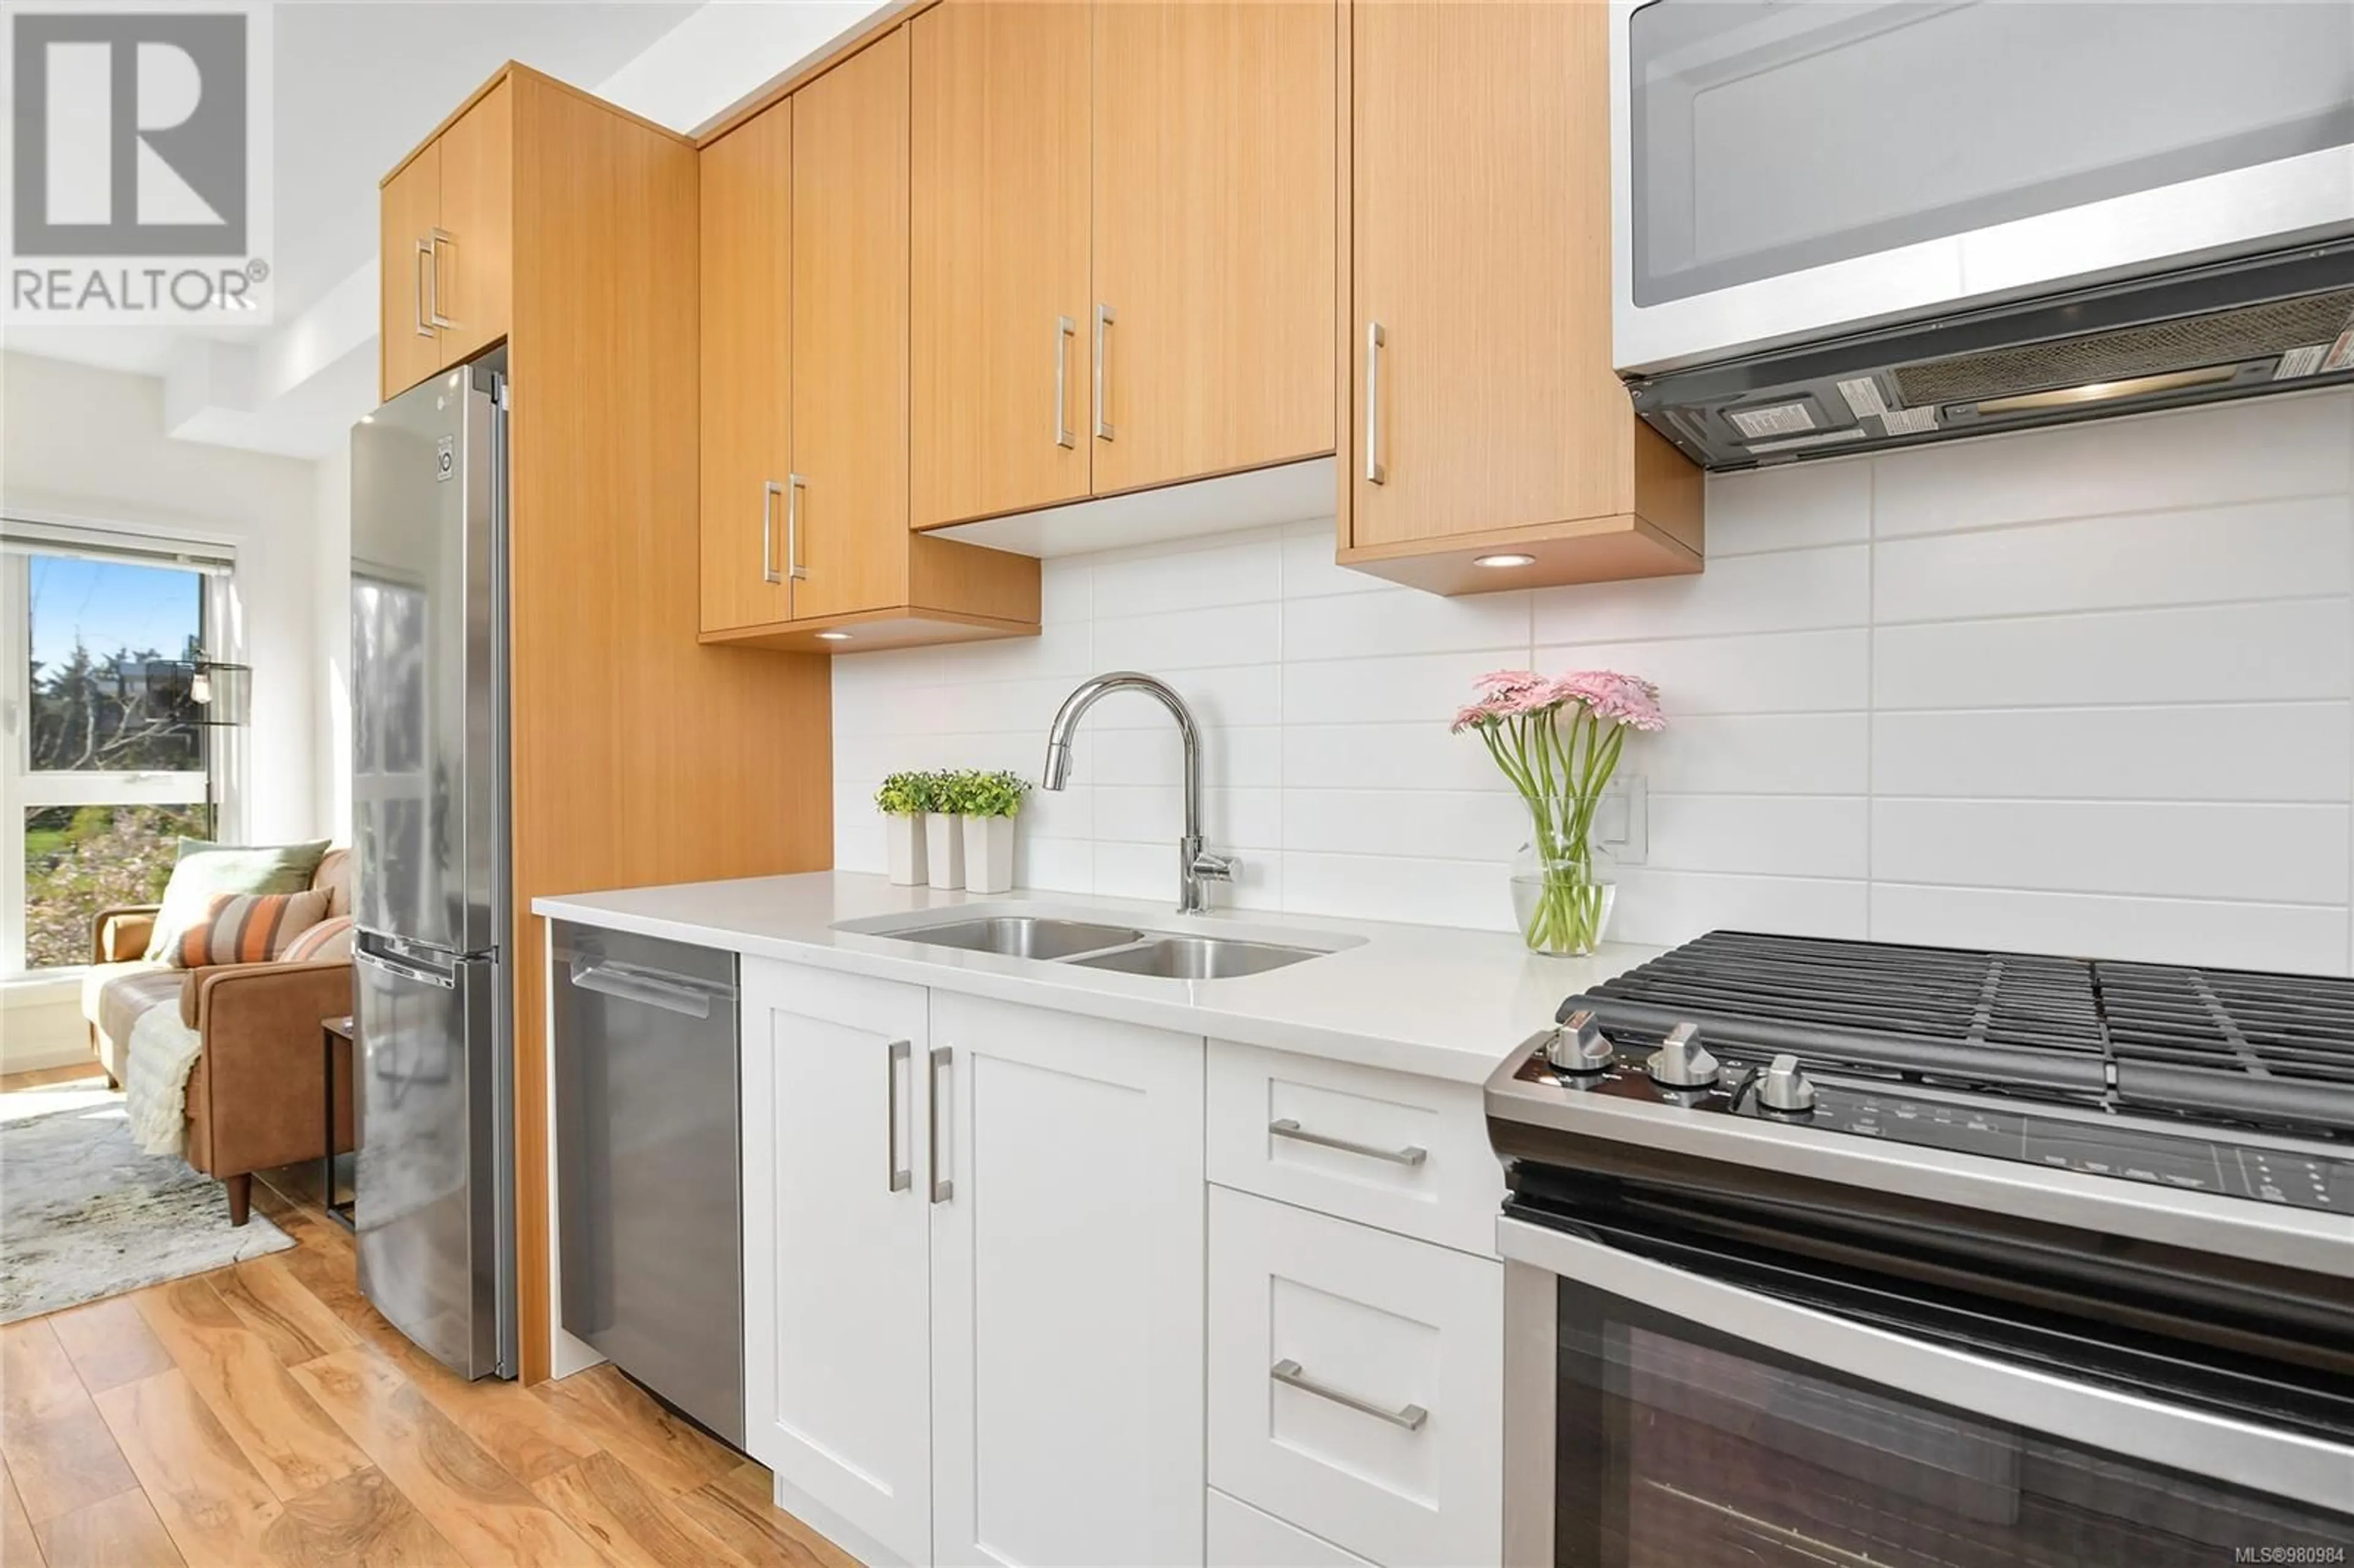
[1195, 866]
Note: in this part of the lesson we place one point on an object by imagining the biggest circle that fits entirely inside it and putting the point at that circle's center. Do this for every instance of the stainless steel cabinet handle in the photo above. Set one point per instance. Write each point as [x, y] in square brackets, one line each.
[1104, 318]
[433, 278]
[1412, 1154]
[393, 966]
[1065, 329]
[417, 288]
[769, 491]
[937, 1063]
[794, 485]
[896, 1057]
[1375, 340]
[1286, 1372]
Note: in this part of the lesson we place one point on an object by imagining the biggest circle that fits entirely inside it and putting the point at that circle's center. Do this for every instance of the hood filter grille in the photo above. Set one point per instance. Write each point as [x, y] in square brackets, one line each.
[2219, 337]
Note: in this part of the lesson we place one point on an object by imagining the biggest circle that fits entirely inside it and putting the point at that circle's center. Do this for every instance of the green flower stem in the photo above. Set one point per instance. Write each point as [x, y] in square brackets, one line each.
[1559, 761]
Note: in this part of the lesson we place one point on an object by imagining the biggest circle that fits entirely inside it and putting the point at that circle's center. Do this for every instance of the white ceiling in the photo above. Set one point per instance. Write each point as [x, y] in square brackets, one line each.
[358, 86]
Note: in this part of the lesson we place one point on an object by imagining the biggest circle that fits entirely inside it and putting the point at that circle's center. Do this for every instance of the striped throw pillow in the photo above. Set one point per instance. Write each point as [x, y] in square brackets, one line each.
[327, 939]
[247, 927]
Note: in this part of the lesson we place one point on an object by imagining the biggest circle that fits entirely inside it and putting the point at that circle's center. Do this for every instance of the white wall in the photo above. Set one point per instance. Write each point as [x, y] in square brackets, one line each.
[88, 445]
[330, 607]
[2083, 689]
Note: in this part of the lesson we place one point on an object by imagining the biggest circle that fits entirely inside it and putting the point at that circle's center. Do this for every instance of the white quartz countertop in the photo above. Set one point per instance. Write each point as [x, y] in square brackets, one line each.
[1429, 999]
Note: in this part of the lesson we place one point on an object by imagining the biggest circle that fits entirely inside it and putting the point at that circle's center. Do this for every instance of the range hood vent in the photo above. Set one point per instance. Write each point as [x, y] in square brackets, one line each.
[2277, 322]
[2223, 337]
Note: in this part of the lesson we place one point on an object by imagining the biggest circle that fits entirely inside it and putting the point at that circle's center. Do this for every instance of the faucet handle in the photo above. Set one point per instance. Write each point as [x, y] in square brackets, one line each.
[1209, 867]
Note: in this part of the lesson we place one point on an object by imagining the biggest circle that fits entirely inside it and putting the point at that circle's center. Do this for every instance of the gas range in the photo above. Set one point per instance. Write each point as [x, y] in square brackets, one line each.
[2206, 1108]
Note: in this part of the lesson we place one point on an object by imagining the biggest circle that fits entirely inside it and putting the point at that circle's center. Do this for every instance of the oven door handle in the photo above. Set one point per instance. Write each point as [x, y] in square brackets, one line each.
[2278, 1464]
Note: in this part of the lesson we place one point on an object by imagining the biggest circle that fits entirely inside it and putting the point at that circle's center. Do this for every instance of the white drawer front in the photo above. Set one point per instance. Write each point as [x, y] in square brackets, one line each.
[1356, 1383]
[1240, 1536]
[1405, 1153]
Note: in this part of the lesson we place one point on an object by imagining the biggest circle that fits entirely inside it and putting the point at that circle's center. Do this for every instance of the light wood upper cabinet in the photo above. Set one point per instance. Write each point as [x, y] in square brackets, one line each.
[474, 264]
[747, 347]
[446, 244]
[410, 202]
[1215, 232]
[850, 335]
[1486, 418]
[998, 217]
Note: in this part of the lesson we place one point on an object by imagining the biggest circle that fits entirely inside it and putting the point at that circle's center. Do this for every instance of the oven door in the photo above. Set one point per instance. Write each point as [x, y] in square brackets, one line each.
[1786, 173]
[1685, 1419]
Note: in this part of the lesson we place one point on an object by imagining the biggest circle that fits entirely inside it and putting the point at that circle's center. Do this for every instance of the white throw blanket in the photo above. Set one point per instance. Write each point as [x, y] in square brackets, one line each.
[162, 1053]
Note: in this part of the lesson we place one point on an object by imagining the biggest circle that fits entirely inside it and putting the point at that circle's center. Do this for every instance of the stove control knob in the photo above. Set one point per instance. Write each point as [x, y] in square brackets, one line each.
[1682, 1062]
[1783, 1087]
[1579, 1045]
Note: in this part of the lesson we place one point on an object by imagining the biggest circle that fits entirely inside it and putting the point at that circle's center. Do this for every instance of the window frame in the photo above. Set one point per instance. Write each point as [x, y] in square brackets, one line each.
[219, 783]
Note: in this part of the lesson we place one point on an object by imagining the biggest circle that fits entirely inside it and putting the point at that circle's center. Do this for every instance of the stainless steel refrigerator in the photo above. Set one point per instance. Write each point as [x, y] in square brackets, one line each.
[434, 1210]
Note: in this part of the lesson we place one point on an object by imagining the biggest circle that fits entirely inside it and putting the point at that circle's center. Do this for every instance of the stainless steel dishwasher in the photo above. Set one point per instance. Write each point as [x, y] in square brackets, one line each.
[648, 1201]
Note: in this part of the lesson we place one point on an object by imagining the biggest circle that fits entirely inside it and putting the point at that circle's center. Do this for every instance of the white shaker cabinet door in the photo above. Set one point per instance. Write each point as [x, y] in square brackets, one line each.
[1067, 1289]
[837, 1267]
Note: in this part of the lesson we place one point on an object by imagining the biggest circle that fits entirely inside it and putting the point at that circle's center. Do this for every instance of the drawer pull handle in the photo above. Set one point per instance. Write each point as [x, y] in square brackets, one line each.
[1412, 1154]
[1286, 1372]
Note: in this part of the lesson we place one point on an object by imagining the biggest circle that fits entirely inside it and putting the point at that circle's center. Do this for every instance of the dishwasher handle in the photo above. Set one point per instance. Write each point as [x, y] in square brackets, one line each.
[631, 983]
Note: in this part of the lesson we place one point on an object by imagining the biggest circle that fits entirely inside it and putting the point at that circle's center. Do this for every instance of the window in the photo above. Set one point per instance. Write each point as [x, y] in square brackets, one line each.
[108, 760]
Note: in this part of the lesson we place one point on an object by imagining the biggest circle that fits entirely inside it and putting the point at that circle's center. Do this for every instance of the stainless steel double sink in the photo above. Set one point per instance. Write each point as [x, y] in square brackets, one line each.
[1091, 945]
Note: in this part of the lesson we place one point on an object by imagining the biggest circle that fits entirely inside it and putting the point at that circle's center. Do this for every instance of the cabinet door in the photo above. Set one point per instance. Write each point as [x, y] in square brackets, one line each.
[474, 266]
[410, 205]
[1214, 126]
[850, 334]
[999, 273]
[746, 422]
[1067, 1329]
[1481, 225]
[837, 1363]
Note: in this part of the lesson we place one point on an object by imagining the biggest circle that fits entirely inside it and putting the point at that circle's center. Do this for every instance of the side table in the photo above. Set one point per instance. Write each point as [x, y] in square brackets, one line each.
[334, 1039]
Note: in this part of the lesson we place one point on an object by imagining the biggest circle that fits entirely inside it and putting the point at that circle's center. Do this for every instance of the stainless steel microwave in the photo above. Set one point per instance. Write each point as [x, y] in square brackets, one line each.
[1812, 197]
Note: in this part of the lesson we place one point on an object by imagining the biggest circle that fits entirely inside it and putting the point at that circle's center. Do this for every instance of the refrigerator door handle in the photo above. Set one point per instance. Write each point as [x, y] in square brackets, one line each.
[393, 966]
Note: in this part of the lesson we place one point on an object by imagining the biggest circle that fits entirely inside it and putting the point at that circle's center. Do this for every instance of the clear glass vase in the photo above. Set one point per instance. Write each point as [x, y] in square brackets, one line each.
[1562, 899]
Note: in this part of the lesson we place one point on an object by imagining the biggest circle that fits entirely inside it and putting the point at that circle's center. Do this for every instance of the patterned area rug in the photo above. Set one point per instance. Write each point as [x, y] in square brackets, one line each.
[84, 1214]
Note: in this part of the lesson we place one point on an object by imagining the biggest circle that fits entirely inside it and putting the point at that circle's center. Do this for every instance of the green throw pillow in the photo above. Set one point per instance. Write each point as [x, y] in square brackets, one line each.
[204, 870]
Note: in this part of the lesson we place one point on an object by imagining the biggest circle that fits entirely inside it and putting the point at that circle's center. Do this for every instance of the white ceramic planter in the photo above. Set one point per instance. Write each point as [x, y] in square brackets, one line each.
[905, 835]
[943, 850]
[987, 855]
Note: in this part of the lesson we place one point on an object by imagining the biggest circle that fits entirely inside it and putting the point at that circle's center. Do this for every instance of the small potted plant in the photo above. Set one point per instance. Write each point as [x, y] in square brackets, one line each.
[943, 837]
[903, 800]
[989, 802]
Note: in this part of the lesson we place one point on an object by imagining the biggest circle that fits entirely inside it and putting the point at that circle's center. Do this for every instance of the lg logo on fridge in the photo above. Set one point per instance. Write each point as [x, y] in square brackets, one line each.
[142, 168]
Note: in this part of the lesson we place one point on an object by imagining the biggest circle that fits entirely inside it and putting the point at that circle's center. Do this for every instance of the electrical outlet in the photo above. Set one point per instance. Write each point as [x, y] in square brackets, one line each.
[1622, 820]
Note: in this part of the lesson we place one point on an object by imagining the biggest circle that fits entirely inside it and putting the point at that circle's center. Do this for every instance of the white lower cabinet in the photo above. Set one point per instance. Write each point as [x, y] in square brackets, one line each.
[1067, 1290]
[837, 1249]
[973, 1273]
[1356, 1383]
[1241, 1536]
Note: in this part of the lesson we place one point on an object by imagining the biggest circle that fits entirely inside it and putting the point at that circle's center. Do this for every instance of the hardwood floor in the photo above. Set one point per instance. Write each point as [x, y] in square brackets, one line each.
[264, 1413]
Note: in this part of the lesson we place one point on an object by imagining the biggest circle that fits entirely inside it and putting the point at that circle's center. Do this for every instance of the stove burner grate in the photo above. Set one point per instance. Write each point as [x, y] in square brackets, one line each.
[2275, 1051]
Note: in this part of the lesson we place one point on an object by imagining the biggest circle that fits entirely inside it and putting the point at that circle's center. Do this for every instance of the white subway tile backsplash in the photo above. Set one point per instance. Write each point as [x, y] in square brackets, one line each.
[2298, 649]
[2255, 854]
[1405, 621]
[2309, 937]
[1801, 672]
[2268, 549]
[2087, 690]
[2242, 451]
[1664, 907]
[2258, 751]
[1790, 591]
[1191, 639]
[1774, 753]
[1783, 835]
[1789, 508]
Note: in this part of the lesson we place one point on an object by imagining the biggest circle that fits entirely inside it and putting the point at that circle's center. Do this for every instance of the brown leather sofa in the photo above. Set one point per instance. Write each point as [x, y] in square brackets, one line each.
[256, 1094]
